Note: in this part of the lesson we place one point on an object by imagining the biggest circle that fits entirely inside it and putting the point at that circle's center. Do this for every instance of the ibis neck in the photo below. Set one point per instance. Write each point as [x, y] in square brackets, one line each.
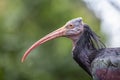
[83, 57]
[82, 50]
[85, 48]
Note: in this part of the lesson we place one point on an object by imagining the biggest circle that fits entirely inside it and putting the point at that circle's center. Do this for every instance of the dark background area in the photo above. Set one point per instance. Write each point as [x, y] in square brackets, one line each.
[22, 22]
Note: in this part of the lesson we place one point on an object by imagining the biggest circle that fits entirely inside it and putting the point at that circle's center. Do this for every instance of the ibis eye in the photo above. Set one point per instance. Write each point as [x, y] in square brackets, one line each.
[70, 26]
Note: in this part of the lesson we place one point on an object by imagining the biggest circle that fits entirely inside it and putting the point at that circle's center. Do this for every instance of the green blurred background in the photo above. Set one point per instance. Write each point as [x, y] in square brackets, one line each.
[22, 22]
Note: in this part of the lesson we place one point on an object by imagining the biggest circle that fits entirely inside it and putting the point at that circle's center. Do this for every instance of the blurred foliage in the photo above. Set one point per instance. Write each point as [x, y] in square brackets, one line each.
[22, 22]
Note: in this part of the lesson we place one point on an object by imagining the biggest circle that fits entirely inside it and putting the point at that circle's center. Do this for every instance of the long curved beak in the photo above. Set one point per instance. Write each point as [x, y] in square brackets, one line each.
[57, 33]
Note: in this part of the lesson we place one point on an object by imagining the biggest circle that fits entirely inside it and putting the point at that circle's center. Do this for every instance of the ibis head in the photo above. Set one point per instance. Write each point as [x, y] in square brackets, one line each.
[72, 29]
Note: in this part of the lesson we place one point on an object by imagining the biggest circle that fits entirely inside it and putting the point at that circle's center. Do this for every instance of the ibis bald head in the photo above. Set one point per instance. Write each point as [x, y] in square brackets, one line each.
[72, 29]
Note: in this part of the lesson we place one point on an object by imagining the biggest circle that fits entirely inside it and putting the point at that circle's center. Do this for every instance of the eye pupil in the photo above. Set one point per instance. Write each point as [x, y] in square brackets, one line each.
[70, 26]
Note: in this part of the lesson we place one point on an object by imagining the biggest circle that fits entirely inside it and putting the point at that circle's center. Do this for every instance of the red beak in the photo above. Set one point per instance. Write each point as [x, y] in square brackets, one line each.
[57, 33]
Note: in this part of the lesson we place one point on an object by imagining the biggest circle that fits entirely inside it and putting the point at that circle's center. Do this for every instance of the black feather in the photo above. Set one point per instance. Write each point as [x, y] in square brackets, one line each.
[89, 40]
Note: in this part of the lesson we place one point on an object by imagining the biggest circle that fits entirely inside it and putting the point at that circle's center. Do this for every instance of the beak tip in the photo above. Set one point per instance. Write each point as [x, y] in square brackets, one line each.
[25, 55]
[22, 60]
